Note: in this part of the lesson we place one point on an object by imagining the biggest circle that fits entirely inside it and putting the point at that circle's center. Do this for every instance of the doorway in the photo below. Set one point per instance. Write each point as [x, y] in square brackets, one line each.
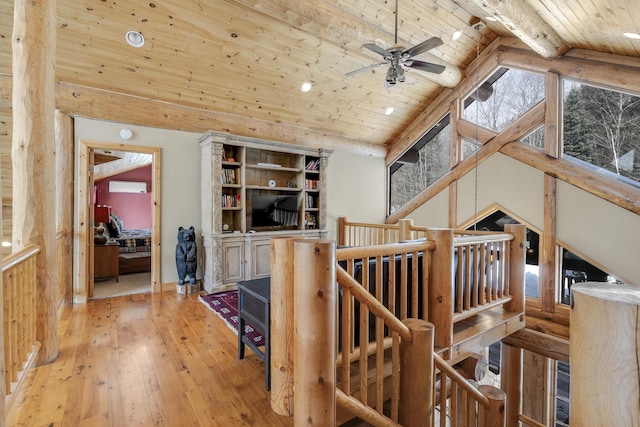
[85, 286]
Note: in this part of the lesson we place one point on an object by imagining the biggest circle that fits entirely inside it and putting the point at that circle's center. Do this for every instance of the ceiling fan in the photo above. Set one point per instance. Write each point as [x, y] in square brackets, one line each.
[399, 57]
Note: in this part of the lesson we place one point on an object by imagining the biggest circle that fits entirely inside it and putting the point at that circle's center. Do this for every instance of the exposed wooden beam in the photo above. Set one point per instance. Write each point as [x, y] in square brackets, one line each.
[511, 133]
[611, 190]
[519, 17]
[118, 107]
[343, 29]
[540, 343]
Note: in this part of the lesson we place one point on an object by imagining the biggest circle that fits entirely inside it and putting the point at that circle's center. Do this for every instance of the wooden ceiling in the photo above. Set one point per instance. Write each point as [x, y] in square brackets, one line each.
[246, 59]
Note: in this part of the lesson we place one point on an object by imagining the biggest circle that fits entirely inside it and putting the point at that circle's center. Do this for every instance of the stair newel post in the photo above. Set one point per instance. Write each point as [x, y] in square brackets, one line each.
[404, 229]
[494, 414]
[416, 375]
[281, 319]
[440, 286]
[315, 333]
[342, 231]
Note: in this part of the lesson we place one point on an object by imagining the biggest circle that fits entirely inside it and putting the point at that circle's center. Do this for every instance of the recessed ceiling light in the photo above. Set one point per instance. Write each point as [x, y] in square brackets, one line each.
[306, 87]
[388, 111]
[6, 244]
[455, 36]
[632, 35]
[491, 18]
[134, 38]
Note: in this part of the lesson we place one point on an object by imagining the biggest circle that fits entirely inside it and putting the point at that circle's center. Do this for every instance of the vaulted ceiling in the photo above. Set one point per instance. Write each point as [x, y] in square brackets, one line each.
[246, 59]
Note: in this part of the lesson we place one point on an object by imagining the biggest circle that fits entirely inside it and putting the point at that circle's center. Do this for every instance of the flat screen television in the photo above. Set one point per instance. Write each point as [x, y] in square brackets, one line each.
[274, 211]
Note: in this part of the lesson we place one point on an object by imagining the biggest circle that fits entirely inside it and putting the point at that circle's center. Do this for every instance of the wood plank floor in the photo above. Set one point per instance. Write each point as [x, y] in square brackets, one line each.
[145, 360]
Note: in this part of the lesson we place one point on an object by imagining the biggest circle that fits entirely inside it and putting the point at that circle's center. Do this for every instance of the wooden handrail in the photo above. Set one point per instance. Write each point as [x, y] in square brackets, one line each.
[375, 306]
[20, 256]
[383, 250]
[443, 366]
[362, 411]
[478, 239]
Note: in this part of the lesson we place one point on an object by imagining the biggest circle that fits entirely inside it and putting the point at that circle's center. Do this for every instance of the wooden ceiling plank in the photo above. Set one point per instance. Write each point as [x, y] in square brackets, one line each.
[103, 105]
[521, 19]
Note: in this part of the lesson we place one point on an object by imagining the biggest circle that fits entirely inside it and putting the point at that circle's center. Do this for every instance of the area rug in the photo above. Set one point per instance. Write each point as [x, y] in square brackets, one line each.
[225, 305]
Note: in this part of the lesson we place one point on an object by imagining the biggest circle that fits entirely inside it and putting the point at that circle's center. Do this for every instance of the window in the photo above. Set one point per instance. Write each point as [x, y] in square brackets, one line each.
[535, 138]
[601, 130]
[576, 270]
[561, 394]
[421, 166]
[507, 95]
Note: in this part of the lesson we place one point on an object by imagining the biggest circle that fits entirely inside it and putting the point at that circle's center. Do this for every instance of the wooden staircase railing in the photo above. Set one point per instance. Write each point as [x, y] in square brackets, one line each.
[386, 368]
[459, 403]
[19, 300]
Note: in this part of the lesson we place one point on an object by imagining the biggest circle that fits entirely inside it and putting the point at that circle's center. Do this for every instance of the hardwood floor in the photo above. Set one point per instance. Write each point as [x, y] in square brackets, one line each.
[145, 360]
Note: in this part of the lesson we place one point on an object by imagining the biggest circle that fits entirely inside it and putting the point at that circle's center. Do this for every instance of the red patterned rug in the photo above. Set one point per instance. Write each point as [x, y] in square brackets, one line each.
[225, 305]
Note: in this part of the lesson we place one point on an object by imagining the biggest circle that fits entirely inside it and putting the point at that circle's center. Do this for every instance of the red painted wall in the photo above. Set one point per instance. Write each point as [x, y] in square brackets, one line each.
[133, 208]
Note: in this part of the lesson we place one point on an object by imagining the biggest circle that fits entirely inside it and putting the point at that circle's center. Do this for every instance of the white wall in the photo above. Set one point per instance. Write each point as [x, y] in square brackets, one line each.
[180, 180]
[356, 189]
[602, 232]
[356, 184]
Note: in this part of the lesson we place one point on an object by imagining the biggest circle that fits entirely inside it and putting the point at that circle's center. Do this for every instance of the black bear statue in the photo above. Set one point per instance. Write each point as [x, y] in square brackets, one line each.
[186, 255]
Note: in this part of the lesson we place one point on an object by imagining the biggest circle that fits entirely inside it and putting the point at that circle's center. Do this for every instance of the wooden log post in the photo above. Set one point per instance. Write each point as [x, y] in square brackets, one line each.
[604, 352]
[511, 382]
[33, 154]
[404, 229]
[517, 261]
[315, 333]
[494, 415]
[416, 375]
[3, 361]
[282, 326]
[440, 288]
[64, 206]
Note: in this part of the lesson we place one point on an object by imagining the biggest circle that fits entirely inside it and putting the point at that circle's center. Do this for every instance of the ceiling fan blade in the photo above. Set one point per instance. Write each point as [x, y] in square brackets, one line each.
[425, 66]
[377, 49]
[360, 70]
[422, 47]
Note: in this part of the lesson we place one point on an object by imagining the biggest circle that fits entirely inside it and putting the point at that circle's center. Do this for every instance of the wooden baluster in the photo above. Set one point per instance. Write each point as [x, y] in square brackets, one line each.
[475, 276]
[379, 339]
[414, 284]
[15, 323]
[8, 343]
[314, 336]
[484, 290]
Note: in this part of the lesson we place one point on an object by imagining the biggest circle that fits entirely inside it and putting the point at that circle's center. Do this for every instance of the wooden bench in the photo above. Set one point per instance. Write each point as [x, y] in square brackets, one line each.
[134, 262]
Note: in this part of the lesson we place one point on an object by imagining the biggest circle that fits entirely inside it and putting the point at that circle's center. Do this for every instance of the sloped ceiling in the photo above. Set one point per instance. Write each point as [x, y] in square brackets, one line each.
[246, 59]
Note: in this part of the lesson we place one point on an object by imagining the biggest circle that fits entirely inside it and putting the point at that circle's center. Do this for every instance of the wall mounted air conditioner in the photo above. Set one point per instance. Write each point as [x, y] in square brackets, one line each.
[127, 187]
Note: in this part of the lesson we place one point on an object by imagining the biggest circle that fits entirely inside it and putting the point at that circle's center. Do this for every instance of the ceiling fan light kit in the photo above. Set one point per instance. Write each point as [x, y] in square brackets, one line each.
[399, 58]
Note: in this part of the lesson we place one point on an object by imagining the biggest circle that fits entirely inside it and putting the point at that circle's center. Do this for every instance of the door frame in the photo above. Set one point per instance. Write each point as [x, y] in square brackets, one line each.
[84, 223]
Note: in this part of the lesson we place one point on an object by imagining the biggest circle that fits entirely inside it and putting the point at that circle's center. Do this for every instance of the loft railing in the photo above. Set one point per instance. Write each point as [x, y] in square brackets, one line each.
[472, 272]
[19, 300]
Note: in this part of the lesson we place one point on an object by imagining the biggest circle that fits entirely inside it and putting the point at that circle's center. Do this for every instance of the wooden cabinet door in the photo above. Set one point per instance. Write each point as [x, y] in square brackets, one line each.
[234, 261]
[260, 258]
